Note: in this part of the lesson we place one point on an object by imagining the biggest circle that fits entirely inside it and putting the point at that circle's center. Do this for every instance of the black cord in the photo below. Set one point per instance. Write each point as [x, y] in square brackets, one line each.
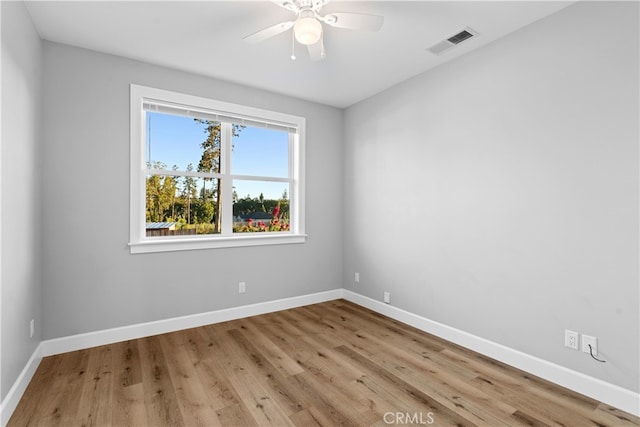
[591, 351]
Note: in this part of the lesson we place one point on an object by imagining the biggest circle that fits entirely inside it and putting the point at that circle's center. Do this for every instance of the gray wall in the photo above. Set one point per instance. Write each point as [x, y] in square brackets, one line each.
[20, 260]
[91, 282]
[498, 194]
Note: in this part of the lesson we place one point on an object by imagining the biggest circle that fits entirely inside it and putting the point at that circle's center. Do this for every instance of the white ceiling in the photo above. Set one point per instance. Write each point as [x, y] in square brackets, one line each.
[205, 37]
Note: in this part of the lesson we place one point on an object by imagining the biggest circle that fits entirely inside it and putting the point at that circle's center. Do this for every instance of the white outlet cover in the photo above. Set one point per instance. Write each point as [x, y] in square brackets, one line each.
[571, 339]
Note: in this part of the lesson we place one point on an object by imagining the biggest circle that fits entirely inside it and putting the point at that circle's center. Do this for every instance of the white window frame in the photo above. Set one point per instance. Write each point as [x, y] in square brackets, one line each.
[140, 243]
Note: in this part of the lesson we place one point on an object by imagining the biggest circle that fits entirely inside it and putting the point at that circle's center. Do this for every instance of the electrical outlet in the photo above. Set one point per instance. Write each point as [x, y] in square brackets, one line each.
[32, 328]
[571, 339]
[387, 297]
[588, 340]
[242, 287]
[356, 277]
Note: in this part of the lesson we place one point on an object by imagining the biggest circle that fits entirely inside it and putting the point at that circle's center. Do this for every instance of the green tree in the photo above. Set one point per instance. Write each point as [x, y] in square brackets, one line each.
[174, 184]
[189, 192]
[204, 212]
[160, 194]
[210, 163]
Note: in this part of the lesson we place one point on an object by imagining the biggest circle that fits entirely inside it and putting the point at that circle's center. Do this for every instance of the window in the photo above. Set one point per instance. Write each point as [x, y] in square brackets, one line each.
[209, 174]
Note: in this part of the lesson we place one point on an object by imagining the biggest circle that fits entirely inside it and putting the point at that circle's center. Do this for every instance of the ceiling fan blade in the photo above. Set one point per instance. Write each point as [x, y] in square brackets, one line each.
[316, 51]
[354, 21]
[268, 32]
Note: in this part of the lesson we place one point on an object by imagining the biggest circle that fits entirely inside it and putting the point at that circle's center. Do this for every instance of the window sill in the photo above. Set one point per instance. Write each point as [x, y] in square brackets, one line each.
[189, 244]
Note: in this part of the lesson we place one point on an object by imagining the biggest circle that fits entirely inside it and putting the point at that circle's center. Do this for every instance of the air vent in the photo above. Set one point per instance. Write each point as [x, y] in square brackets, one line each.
[460, 37]
[452, 41]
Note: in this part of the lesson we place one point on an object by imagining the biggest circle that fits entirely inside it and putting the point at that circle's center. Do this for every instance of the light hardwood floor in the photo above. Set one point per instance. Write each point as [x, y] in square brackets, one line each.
[327, 364]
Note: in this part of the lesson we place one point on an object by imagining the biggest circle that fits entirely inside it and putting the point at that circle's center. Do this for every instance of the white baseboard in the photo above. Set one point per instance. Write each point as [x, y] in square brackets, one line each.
[597, 389]
[141, 330]
[11, 400]
[603, 391]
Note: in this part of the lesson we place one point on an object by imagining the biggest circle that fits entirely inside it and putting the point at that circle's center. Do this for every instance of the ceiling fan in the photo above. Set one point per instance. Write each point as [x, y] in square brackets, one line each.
[307, 26]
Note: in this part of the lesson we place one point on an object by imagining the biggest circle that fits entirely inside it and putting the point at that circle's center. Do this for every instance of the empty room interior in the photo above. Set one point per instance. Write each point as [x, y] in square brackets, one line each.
[310, 212]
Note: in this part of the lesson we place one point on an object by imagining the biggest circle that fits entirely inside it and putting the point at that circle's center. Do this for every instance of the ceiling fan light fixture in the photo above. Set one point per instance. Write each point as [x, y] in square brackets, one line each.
[307, 31]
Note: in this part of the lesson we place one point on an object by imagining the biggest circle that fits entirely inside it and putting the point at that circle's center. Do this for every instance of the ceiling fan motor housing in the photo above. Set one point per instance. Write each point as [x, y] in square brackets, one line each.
[314, 5]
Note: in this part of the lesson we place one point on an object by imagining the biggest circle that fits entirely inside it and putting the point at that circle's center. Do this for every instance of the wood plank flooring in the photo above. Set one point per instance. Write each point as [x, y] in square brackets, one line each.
[326, 364]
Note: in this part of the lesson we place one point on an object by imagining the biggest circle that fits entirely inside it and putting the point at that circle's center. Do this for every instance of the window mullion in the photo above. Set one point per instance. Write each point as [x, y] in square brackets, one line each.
[168, 172]
[226, 145]
[293, 188]
[260, 178]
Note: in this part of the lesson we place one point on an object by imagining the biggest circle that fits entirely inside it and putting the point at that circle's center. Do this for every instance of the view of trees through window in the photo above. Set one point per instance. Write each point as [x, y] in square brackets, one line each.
[185, 180]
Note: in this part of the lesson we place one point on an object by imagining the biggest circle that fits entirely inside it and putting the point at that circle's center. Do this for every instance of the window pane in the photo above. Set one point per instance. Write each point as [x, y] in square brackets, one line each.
[260, 152]
[181, 205]
[264, 206]
[182, 143]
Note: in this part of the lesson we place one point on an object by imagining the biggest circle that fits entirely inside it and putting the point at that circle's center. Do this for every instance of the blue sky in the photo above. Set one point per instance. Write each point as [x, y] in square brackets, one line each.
[175, 140]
